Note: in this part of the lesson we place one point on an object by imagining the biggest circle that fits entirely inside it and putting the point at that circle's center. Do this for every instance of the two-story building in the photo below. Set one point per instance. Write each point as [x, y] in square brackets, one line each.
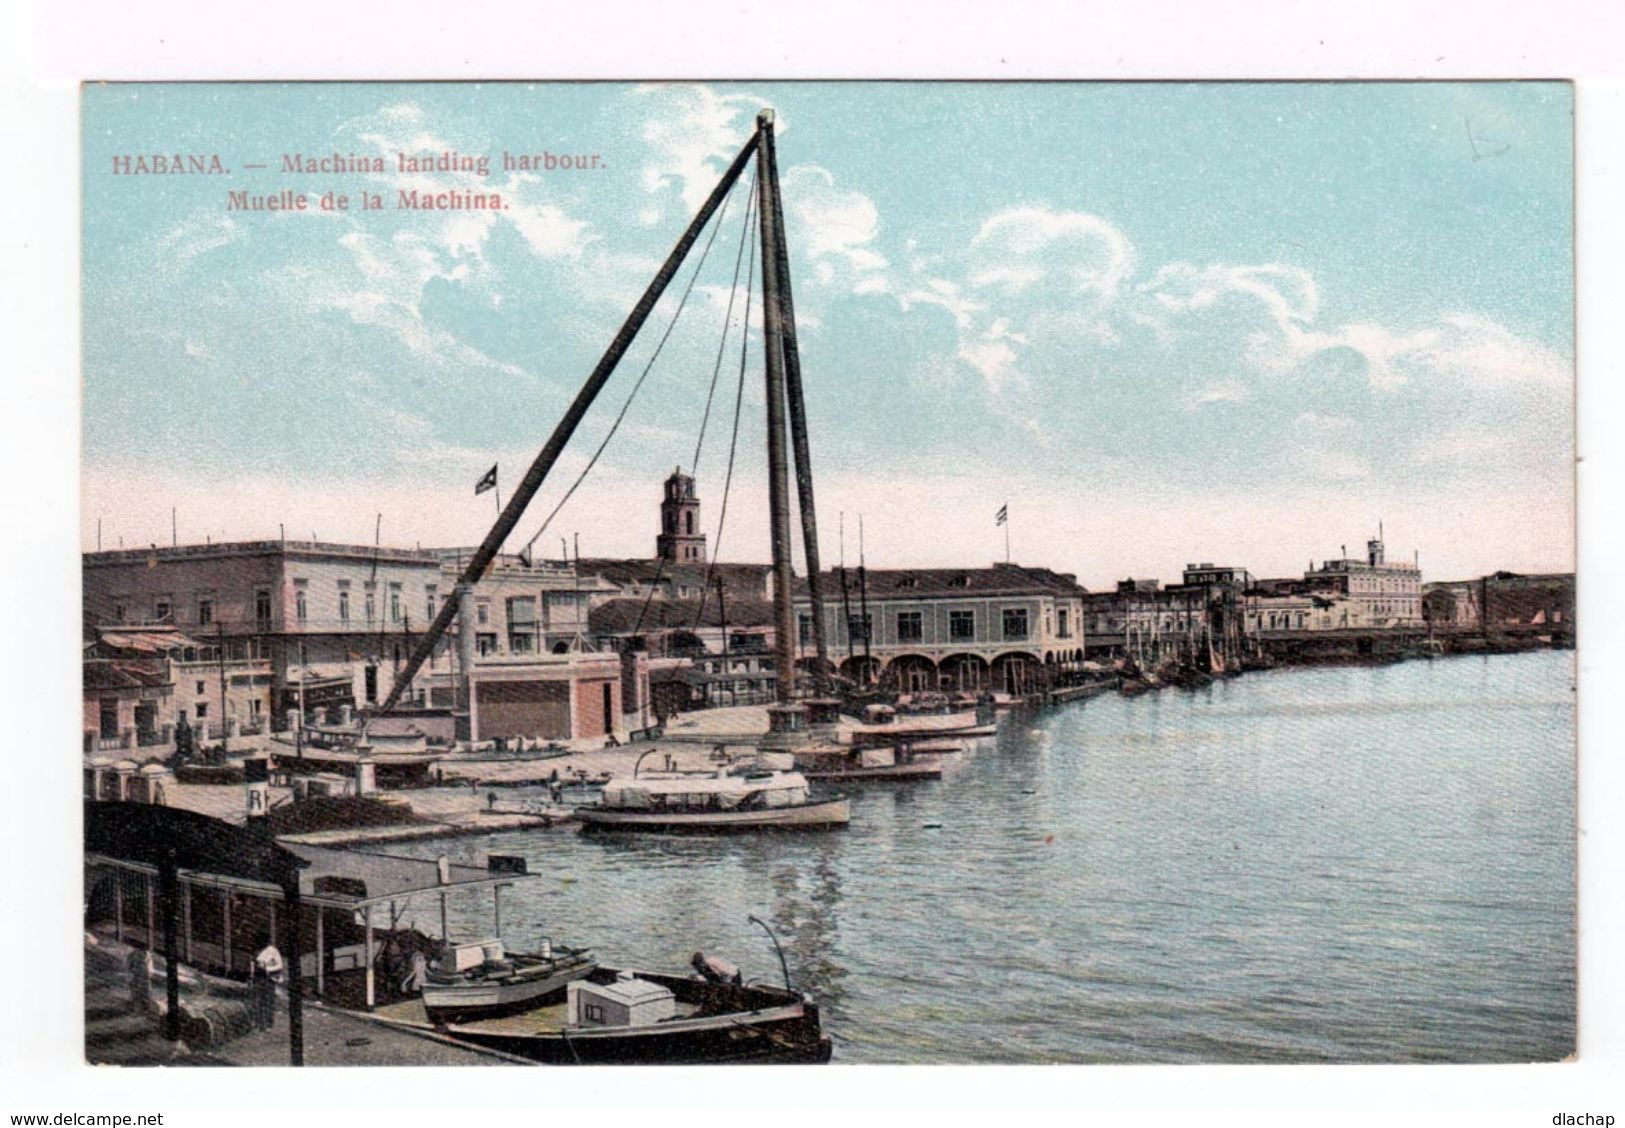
[334, 619]
[1004, 629]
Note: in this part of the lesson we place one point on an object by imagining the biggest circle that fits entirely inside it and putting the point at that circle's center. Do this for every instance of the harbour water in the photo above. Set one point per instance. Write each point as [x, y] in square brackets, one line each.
[1340, 864]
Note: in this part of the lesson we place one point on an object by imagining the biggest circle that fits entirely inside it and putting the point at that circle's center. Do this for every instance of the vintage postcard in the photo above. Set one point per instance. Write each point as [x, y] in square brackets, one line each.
[929, 573]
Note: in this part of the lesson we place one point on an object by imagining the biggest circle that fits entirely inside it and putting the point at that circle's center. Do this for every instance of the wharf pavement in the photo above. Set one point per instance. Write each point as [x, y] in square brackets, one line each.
[118, 1032]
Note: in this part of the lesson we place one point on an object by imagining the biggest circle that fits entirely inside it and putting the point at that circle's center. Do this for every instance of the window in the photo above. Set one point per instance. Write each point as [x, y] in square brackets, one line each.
[200, 689]
[202, 710]
[910, 626]
[521, 624]
[299, 606]
[428, 603]
[592, 1012]
[160, 610]
[118, 612]
[262, 606]
[205, 612]
[961, 626]
[806, 630]
[485, 644]
[344, 606]
[394, 606]
[482, 613]
[372, 609]
[1015, 624]
[1063, 623]
[857, 628]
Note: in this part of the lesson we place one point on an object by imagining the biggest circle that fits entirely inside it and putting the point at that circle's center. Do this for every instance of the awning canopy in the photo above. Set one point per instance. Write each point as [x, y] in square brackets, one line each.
[148, 641]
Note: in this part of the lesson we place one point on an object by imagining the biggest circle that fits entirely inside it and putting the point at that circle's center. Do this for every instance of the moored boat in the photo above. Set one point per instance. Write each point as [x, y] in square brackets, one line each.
[747, 800]
[845, 763]
[621, 1017]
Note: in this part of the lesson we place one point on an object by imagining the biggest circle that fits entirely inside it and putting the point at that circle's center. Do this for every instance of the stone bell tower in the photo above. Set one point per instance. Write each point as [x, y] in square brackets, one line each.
[680, 540]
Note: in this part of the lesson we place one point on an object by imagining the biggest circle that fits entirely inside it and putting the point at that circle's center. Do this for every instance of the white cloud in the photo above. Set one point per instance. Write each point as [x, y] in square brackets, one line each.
[1073, 252]
[550, 232]
[693, 133]
[197, 235]
[1224, 391]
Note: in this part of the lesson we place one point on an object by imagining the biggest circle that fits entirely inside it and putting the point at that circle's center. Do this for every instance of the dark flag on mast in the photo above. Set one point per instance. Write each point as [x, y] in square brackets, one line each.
[488, 482]
[1002, 515]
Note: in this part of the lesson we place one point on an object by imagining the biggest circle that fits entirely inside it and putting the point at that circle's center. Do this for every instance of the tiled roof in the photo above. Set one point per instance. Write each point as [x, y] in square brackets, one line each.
[621, 616]
[927, 583]
[109, 675]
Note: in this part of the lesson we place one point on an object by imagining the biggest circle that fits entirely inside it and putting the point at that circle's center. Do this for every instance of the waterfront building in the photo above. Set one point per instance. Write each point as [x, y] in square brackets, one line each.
[336, 617]
[1007, 628]
[1142, 619]
[716, 652]
[330, 623]
[525, 606]
[1501, 600]
[139, 683]
[1387, 593]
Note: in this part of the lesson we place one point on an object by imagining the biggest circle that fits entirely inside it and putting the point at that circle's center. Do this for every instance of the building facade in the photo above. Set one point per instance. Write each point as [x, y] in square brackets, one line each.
[1004, 629]
[1384, 593]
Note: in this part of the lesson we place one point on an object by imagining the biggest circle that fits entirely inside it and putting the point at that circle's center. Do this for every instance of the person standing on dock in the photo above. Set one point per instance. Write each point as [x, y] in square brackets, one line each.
[269, 973]
[139, 965]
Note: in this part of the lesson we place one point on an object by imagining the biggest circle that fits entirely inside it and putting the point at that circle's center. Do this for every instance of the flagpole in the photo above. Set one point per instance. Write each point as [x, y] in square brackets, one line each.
[496, 489]
[1007, 536]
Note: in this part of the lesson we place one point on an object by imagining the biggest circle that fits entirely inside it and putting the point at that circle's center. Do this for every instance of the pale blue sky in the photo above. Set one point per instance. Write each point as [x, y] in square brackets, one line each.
[1164, 322]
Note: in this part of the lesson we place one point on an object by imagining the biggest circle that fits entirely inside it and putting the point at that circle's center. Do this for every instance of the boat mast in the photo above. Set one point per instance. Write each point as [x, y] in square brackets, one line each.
[549, 454]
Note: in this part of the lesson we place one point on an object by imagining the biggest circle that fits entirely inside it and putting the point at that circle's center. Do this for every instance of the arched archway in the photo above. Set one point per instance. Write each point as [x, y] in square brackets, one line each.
[912, 673]
[861, 670]
[1016, 673]
[964, 673]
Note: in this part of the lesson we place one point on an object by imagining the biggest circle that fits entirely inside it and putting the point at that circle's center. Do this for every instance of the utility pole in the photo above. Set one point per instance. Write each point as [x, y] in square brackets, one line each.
[299, 729]
[722, 619]
[863, 602]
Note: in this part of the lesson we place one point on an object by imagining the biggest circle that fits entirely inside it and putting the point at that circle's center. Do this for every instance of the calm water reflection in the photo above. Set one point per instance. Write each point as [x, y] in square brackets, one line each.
[1368, 864]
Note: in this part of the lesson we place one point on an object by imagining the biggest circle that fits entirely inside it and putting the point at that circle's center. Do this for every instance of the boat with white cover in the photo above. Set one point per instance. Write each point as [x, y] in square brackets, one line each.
[752, 799]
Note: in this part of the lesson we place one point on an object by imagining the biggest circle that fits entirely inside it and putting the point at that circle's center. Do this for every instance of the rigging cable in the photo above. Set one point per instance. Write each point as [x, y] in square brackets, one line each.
[733, 444]
[647, 368]
[727, 323]
[748, 232]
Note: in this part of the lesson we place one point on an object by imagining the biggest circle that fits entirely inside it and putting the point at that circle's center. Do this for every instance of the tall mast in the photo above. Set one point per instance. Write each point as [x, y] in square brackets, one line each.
[549, 454]
[767, 156]
[778, 470]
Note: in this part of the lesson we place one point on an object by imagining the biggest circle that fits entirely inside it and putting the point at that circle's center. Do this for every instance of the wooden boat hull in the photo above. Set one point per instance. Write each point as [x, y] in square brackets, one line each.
[735, 1025]
[823, 815]
[473, 999]
[887, 772]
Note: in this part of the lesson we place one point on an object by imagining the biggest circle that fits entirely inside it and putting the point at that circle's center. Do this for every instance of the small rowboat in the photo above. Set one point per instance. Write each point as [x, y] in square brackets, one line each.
[481, 981]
